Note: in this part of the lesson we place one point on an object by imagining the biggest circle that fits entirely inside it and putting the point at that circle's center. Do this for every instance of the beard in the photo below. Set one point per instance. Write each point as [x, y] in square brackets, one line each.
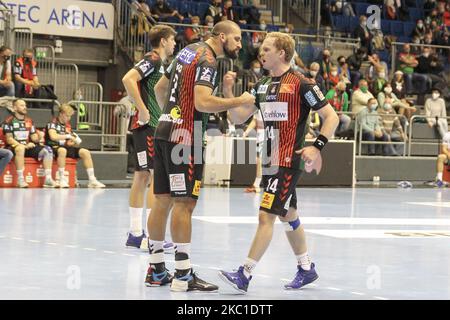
[229, 53]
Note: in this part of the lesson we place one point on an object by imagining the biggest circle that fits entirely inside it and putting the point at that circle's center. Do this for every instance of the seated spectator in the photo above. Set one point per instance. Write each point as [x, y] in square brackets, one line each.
[344, 71]
[314, 124]
[429, 5]
[435, 109]
[398, 85]
[313, 73]
[231, 14]
[325, 64]
[408, 62]
[363, 34]
[401, 107]
[442, 159]
[343, 7]
[333, 78]
[252, 76]
[419, 31]
[338, 99]
[163, 10]
[361, 96]
[207, 28]
[432, 67]
[6, 83]
[369, 121]
[23, 139]
[354, 63]
[215, 10]
[5, 157]
[25, 76]
[391, 10]
[65, 144]
[392, 125]
[142, 8]
[378, 84]
[193, 34]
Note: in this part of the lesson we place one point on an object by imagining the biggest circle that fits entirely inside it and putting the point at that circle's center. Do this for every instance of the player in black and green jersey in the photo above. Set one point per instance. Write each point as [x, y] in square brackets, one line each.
[139, 83]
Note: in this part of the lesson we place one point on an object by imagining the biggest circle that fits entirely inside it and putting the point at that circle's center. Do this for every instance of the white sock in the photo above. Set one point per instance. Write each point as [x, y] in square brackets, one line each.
[304, 261]
[20, 175]
[439, 176]
[257, 182]
[136, 221]
[249, 265]
[48, 173]
[91, 174]
[155, 246]
[183, 248]
[147, 214]
[61, 173]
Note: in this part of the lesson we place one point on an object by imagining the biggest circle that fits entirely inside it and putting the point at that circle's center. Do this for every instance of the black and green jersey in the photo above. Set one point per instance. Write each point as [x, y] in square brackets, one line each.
[20, 129]
[151, 69]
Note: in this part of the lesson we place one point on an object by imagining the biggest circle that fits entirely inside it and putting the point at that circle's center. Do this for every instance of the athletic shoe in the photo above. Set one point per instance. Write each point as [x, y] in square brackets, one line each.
[237, 280]
[64, 183]
[302, 278]
[440, 184]
[191, 282]
[95, 184]
[22, 184]
[49, 183]
[136, 242]
[168, 247]
[154, 279]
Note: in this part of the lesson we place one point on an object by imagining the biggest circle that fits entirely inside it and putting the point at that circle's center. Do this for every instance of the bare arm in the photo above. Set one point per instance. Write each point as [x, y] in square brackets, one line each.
[130, 81]
[206, 102]
[161, 90]
[54, 136]
[241, 114]
[330, 121]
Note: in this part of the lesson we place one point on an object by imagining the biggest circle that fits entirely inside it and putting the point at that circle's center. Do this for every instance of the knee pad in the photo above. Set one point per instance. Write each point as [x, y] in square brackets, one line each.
[46, 154]
[291, 225]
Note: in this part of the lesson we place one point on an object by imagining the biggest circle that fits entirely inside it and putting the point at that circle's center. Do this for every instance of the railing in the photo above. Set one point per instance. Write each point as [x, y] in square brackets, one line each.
[358, 126]
[6, 25]
[308, 11]
[22, 39]
[67, 81]
[276, 6]
[55, 102]
[113, 130]
[410, 142]
[45, 56]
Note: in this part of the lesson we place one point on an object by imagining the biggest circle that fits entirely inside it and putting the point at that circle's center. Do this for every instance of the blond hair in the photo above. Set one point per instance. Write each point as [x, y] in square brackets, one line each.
[67, 109]
[283, 41]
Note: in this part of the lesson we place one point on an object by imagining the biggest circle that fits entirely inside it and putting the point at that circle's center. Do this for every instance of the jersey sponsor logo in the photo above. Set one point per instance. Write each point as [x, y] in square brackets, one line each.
[318, 92]
[175, 113]
[16, 125]
[253, 92]
[312, 101]
[21, 135]
[206, 74]
[142, 158]
[177, 182]
[145, 66]
[186, 56]
[287, 88]
[288, 202]
[275, 111]
[267, 200]
[196, 190]
[271, 97]
[174, 116]
[161, 70]
[274, 89]
[262, 88]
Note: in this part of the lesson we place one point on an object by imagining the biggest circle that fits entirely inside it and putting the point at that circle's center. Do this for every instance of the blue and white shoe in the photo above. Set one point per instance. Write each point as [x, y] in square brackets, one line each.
[302, 278]
[237, 280]
[440, 184]
[139, 242]
[154, 279]
[168, 247]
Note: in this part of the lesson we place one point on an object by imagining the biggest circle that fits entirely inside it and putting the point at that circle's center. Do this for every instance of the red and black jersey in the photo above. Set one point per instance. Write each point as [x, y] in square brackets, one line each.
[285, 103]
[194, 65]
[60, 128]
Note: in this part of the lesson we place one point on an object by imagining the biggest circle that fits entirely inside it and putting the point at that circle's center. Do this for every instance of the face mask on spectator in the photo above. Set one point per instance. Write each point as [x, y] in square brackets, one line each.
[256, 70]
[420, 25]
[426, 54]
[373, 107]
[211, 24]
[27, 59]
[435, 95]
[364, 89]
[339, 4]
[382, 75]
[388, 90]
[334, 73]
[263, 26]
[313, 73]
[387, 106]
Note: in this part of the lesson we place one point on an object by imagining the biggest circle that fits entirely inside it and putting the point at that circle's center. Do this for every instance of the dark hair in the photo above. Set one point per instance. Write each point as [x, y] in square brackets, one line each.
[4, 48]
[159, 32]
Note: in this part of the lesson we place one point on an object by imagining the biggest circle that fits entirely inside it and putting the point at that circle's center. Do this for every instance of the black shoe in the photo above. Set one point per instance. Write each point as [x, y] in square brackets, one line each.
[191, 282]
[154, 279]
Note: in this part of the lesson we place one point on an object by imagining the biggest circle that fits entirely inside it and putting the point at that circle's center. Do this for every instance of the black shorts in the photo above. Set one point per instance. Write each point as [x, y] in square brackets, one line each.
[180, 180]
[72, 152]
[279, 191]
[143, 142]
[32, 153]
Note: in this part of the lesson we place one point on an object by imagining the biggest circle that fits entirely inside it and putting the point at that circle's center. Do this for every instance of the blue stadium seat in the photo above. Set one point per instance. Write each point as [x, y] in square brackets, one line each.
[408, 28]
[352, 24]
[360, 8]
[202, 7]
[397, 28]
[415, 14]
[386, 26]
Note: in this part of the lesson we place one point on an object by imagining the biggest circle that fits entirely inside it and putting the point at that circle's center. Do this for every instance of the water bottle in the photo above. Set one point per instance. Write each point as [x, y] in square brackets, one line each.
[376, 180]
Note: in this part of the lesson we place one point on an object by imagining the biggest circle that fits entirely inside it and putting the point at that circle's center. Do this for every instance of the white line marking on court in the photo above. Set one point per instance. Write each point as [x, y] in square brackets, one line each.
[262, 276]
[89, 249]
[16, 238]
[332, 221]
[380, 298]
[214, 268]
[383, 233]
[431, 204]
[333, 288]
[34, 241]
[128, 255]
[110, 252]
[357, 293]
[51, 243]
[70, 246]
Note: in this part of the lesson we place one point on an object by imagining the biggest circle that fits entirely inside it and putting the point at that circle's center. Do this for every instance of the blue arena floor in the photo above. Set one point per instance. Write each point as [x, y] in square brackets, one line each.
[377, 244]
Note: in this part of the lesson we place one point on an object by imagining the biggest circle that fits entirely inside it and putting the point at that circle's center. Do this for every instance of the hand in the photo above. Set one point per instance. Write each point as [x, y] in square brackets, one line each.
[247, 99]
[144, 117]
[30, 145]
[311, 156]
[228, 80]
[70, 143]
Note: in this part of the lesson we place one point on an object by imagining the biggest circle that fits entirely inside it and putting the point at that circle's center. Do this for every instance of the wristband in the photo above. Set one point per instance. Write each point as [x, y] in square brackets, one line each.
[320, 142]
[68, 136]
